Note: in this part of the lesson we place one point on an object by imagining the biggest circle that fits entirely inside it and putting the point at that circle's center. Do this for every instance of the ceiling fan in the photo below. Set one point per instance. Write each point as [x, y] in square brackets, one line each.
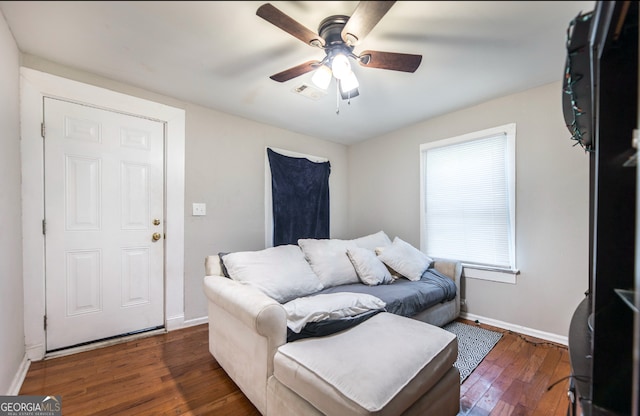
[337, 36]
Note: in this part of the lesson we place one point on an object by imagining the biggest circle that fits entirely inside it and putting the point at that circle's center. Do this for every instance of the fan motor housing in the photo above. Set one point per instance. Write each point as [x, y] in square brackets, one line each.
[331, 29]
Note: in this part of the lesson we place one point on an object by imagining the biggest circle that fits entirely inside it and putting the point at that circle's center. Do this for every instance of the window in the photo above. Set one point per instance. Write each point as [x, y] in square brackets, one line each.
[468, 201]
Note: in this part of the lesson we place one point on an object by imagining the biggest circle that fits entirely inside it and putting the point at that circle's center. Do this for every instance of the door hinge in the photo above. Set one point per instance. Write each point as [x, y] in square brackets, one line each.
[45, 322]
[42, 130]
[44, 227]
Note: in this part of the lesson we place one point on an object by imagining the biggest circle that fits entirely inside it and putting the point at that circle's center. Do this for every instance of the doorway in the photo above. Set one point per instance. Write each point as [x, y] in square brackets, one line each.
[35, 87]
[104, 223]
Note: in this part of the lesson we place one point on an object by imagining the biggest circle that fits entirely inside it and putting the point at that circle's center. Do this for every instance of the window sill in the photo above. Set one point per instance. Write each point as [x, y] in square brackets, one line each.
[491, 274]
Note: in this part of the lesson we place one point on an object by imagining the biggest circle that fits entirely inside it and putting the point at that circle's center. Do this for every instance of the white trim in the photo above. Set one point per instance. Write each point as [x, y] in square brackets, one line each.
[175, 322]
[35, 352]
[18, 379]
[268, 201]
[506, 276]
[34, 86]
[547, 336]
[196, 321]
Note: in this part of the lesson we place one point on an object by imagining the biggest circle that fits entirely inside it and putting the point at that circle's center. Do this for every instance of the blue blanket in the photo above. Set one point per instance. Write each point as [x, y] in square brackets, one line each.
[300, 194]
[403, 297]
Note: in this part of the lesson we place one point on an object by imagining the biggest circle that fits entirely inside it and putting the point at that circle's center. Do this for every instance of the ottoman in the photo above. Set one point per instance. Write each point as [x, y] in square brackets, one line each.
[386, 365]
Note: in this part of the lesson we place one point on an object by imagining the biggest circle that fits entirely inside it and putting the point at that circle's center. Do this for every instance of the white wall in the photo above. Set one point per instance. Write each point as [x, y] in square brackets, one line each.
[375, 185]
[551, 207]
[12, 348]
[224, 159]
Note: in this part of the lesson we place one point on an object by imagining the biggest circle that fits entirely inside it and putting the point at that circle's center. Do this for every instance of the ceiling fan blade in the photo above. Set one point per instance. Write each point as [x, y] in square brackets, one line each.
[390, 60]
[274, 16]
[296, 71]
[366, 15]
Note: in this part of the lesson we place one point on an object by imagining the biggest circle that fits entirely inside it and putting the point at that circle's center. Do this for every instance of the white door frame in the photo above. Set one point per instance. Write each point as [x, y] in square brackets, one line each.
[34, 85]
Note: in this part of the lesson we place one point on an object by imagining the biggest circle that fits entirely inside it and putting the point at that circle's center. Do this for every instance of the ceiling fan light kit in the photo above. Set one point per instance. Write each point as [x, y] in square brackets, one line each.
[322, 77]
[340, 66]
[337, 36]
[349, 82]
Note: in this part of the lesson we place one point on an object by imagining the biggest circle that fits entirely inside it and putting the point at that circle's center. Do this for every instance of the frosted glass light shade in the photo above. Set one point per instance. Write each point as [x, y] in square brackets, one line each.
[349, 82]
[340, 66]
[322, 77]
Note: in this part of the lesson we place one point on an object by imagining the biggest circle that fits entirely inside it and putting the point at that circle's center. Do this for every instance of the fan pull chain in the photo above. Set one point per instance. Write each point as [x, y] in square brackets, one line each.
[338, 97]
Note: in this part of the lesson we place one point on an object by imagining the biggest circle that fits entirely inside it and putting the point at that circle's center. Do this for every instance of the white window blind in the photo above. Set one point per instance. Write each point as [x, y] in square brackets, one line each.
[468, 199]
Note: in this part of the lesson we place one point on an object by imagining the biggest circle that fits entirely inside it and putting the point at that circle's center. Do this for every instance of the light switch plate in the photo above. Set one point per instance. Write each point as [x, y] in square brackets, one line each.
[199, 209]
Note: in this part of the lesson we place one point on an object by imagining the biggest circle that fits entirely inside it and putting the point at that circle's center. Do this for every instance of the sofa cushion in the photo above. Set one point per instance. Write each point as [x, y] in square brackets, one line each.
[281, 272]
[370, 270]
[405, 259]
[372, 241]
[328, 259]
[326, 306]
[381, 366]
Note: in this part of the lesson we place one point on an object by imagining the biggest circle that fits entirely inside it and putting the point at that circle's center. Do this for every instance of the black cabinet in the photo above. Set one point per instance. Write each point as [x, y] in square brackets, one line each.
[603, 338]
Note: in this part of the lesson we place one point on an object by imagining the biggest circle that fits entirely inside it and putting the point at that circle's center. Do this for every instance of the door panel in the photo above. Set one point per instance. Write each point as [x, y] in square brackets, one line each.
[103, 202]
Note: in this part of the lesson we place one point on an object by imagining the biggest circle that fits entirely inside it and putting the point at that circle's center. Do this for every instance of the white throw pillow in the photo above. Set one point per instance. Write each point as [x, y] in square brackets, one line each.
[281, 272]
[369, 268]
[324, 306]
[372, 241]
[405, 259]
[328, 258]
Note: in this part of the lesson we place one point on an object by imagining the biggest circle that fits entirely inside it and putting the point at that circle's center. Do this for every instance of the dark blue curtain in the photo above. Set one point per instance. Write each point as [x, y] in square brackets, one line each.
[300, 192]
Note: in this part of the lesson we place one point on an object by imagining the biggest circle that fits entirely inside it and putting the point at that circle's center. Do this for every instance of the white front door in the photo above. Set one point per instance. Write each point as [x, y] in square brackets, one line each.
[104, 223]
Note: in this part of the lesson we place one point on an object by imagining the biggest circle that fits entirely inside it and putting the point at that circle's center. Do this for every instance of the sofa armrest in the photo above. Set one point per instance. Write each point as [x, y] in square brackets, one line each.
[249, 305]
[453, 269]
[212, 266]
[246, 327]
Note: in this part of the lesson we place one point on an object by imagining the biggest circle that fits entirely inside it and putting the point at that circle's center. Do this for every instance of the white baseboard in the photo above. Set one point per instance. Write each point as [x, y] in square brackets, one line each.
[18, 379]
[558, 339]
[175, 322]
[35, 352]
[196, 321]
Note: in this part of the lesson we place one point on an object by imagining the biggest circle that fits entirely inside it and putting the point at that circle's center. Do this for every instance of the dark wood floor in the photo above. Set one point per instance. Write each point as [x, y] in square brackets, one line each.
[174, 374]
[514, 379]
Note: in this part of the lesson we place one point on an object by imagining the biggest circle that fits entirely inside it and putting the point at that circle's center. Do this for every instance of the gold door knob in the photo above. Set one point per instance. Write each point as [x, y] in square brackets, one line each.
[156, 236]
[156, 221]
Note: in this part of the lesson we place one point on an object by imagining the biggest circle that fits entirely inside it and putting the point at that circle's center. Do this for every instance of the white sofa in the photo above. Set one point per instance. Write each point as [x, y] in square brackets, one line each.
[247, 329]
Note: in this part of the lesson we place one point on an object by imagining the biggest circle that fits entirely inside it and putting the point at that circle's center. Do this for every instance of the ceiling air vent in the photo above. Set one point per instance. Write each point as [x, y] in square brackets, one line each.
[309, 91]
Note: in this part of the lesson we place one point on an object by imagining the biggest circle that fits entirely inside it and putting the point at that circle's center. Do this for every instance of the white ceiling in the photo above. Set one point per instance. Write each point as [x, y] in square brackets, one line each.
[220, 55]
